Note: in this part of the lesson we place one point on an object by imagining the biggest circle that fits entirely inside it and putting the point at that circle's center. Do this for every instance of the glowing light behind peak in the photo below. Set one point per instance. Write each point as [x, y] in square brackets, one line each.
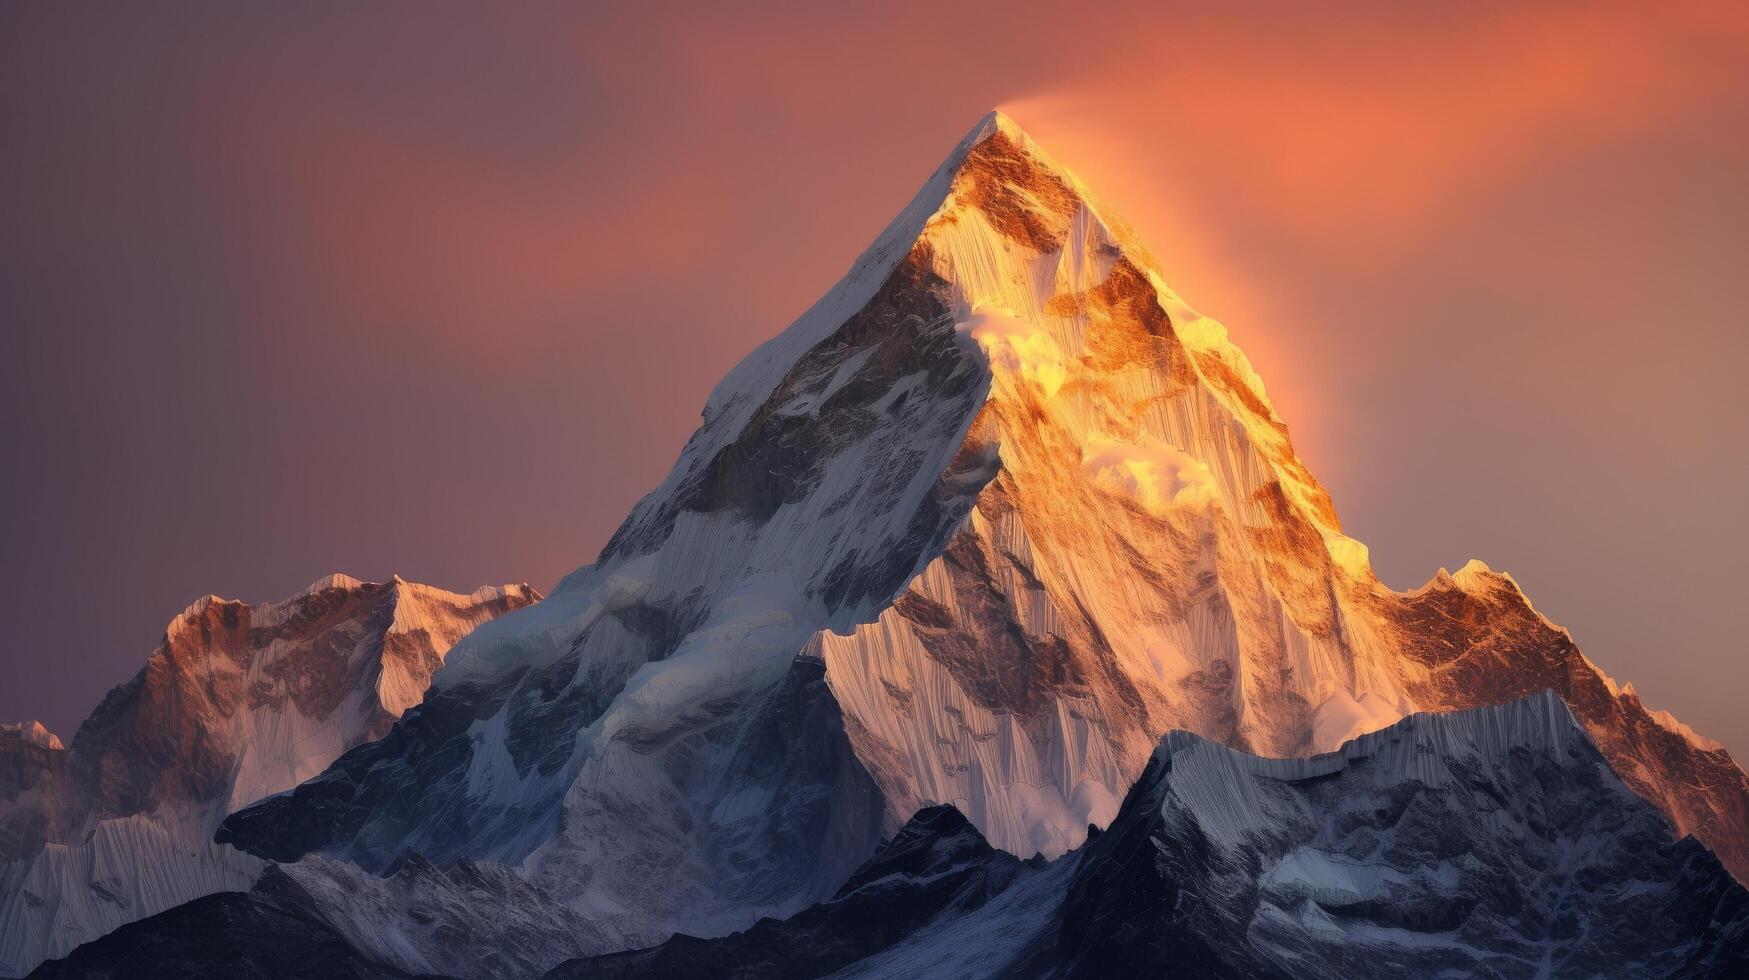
[392, 289]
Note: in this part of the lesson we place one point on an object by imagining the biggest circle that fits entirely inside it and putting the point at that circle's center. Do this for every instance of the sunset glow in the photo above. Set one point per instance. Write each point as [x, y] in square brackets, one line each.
[622, 491]
[280, 274]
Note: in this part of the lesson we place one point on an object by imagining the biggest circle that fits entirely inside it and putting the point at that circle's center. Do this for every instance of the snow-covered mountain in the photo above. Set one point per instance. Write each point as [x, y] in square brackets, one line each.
[237, 702]
[1026, 512]
[1492, 842]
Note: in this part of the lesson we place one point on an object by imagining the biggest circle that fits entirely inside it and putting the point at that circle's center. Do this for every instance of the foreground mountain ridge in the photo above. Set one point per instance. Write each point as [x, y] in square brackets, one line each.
[1491, 842]
[979, 528]
[237, 702]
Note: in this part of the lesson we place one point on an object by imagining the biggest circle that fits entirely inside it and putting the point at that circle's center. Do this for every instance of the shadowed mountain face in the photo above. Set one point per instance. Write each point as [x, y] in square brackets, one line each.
[1490, 843]
[1493, 842]
[1031, 511]
[238, 702]
[227, 934]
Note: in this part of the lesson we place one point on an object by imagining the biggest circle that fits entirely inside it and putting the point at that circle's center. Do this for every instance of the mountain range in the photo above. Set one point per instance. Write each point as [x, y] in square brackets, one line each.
[236, 703]
[1488, 842]
[989, 622]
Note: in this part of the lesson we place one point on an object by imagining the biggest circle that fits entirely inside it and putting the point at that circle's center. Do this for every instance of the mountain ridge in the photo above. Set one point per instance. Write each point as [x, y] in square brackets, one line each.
[1031, 511]
[1223, 864]
[238, 700]
[1494, 841]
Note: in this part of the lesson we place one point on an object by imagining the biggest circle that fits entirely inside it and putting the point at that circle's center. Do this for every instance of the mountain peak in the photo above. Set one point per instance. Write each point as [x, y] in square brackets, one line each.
[990, 518]
[31, 732]
[993, 122]
[333, 580]
[238, 701]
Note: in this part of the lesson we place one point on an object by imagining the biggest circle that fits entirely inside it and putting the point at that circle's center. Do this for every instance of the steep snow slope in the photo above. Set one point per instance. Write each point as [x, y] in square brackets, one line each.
[237, 702]
[1030, 510]
[1494, 842]
[1152, 555]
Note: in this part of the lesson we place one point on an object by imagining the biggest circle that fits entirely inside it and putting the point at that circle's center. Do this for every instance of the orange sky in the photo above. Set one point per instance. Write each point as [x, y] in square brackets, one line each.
[441, 291]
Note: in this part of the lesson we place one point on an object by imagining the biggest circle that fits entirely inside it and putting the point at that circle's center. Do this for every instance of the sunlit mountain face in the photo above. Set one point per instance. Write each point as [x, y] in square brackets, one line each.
[989, 620]
[1497, 307]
